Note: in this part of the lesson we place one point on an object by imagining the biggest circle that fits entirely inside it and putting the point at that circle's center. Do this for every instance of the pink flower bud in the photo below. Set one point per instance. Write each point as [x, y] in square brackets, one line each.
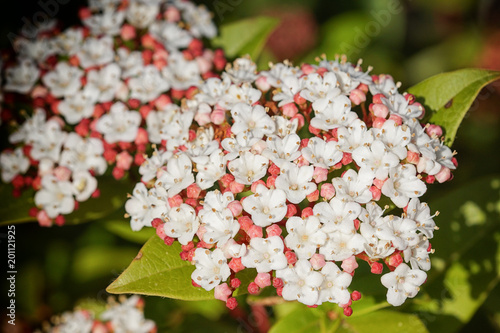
[377, 268]
[235, 208]
[363, 87]
[349, 264]
[236, 187]
[307, 69]
[255, 231]
[378, 122]
[443, 175]
[320, 174]
[291, 257]
[172, 14]
[127, 32]
[222, 292]
[395, 260]
[160, 231]
[291, 210]
[314, 130]
[59, 220]
[379, 182]
[300, 119]
[175, 201]
[347, 311]
[245, 223]
[253, 288]
[278, 283]
[161, 102]
[273, 169]
[306, 212]
[262, 84]
[218, 116]
[377, 99]
[290, 110]
[118, 173]
[434, 131]
[397, 119]
[357, 96]
[273, 230]
[231, 303]
[62, 173]
[327, 191]
[412, 157]
[314, 196]
[124, 160]
[235, 283]
[43, 219]
[376, 193]
[193, 191]
[253, 188]
[355, 295]
[317, 261]
[270, 182]
[263, 280]
[346, 158]
[380, 110]
[236, 265]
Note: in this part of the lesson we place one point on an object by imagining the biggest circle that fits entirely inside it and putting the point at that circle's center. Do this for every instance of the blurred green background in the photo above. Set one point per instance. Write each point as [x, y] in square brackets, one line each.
[411, 40]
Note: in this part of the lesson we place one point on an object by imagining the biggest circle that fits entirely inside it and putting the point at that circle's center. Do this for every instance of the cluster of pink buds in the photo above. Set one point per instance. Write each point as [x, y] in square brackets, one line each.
[124, 316]
[100, 94]
[292, 172]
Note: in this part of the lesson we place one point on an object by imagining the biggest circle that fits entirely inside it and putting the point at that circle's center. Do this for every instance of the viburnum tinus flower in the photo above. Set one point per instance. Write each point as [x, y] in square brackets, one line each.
[308, 172]
[100, 94]
[124, 316]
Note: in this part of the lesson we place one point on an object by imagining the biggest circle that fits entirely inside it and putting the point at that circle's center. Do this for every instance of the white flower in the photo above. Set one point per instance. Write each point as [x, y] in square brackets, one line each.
[242, 70]
[131, 63]
[238, 145]
[199, 20]
[418, 256]
[181, 223]
[265, 254]
[178, 175]
[301, 283]
[170, 124]
[37, 49]
[341, 246]
[80, 105]
[421, 214]
[304, 236]
[234, 250]
[335, 284]
[22, 77]
[375, 248]
[212, 170]
[143, 206]
[108, 22]
[394, 137]
[375, 158]
[219, 226]
[335, 114]
[251, 120]
[170, 35]
[75, 322]
[320, 90]
[402, 283]
[47, 142]
[84, 185]
[106, 81]
[13, 163]
[401, 232]
[151, 165]
[248, 168]
[212, 90]
[148, 85]
[354, 186]
[291, 85]
[181, 73]
[353, 136]
[216, 201]
[83, 154]
[403, 184]
[202, 146]
[285, 126]
[337, 215]
[126, 317]
[322, 154]
[96, 52]
[55, 196]
[64, 80]
[384, 85]
[141, 15]
[278, 72]
[239, 94]
[281, 151]
[296, 182]
[119, 124]
[69, 42]
[32, 125]
[266, 206]
[398, 105]
[211, 268]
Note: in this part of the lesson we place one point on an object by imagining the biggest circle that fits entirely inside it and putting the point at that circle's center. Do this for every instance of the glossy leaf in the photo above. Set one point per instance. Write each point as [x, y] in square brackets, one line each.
[122, 229]
[302, 320]
[15, 210]
[246, 36]
[389, 321]
[448, 96]
[158, 270]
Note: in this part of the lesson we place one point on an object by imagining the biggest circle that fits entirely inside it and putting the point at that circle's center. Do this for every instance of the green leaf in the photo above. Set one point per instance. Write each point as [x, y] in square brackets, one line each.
[247, 36]
[390, 321]
[448, 96]
[158, 270]
[302, 320]
[15, 210]
[122, 229]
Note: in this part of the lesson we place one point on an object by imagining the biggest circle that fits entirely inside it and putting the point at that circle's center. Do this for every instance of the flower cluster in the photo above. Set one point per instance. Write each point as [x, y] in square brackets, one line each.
[100, 94]
[125, 316]
[292, 172]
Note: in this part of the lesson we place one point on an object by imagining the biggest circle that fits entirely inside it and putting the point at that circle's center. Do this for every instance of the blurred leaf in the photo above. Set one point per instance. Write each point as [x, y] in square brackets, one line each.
[390, 321]
[449, 95]
[210, 309]
[122, 229]
[158, 270]
[467, 256]
[97, 261]
[246, 36]
[301, 320]
[15, 210]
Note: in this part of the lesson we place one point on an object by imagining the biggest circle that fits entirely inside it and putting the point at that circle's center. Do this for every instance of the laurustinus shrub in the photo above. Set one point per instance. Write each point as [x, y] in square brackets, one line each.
[303, 174]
